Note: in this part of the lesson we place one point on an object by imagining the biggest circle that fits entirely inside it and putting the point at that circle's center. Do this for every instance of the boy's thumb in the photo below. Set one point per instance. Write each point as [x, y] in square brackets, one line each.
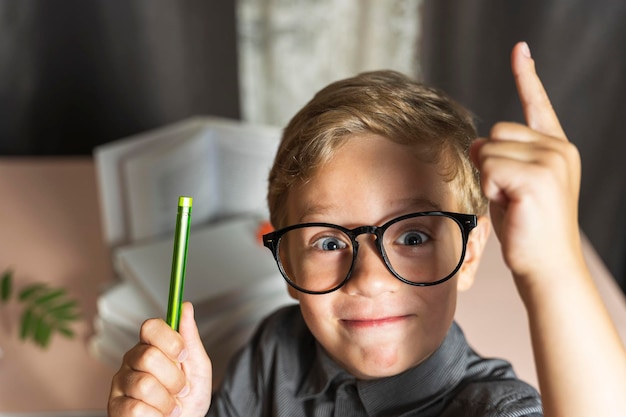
[196, 359]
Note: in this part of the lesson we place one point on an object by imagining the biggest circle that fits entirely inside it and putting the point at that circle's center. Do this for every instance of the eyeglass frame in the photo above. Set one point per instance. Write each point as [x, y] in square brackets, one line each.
[466, 222]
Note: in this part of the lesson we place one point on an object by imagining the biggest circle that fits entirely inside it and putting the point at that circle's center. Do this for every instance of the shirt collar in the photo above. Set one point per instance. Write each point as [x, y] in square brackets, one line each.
[322, 373]
[416, 387]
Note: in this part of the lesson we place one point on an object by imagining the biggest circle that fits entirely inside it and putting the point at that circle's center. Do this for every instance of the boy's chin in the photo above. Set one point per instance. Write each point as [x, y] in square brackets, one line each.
[376, 366]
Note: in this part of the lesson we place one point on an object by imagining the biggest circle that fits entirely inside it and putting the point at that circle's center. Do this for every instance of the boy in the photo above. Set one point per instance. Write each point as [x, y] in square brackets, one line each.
[374, 334]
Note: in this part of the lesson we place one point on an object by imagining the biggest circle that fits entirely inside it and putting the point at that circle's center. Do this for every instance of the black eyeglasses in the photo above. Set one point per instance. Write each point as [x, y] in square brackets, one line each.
[421, 249]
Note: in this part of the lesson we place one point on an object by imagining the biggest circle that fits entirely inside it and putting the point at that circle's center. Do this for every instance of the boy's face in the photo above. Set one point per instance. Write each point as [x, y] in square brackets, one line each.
[376, 325]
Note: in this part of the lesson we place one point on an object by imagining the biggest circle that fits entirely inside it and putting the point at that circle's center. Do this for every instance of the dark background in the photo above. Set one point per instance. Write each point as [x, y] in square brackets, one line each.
[78, 73]
[580, 52]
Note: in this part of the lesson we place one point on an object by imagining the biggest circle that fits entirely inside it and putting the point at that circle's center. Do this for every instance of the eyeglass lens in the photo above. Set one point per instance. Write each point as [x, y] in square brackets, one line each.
[421, 250]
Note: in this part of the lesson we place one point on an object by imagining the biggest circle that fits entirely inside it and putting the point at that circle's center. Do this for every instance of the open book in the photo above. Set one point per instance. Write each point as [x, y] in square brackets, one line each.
[222, 163]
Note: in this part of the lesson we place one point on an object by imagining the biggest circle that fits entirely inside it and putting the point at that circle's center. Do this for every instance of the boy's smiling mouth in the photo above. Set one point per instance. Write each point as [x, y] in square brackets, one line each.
[363, 323]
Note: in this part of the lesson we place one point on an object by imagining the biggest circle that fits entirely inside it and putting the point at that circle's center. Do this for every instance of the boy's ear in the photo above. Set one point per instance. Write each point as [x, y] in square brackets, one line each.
[473, 254]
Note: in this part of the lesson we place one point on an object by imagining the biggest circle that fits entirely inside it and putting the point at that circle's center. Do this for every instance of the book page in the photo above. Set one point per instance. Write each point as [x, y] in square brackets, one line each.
[108, 160]
[156, 178]
[246, 157]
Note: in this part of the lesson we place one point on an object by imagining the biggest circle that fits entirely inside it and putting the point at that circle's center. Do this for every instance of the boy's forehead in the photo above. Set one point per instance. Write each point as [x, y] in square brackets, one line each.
[373, 179]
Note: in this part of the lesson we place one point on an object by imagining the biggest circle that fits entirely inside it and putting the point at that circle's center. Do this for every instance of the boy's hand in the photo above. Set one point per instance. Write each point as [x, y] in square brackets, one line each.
[531, 175]
[166, 374]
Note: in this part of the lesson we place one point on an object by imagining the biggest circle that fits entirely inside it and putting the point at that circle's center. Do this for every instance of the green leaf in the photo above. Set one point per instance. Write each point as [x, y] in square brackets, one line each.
[50, 295]
[28, 323]
[6, 285]
[43, 333]
[67, 311]
[30, 291]
[47, 311]
[64, 315]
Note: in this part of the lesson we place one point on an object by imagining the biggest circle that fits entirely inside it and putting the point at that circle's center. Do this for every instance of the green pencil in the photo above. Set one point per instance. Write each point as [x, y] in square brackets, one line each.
[179, 261]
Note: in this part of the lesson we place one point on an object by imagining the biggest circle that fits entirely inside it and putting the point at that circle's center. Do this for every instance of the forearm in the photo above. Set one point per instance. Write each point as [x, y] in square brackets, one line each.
[580, 358]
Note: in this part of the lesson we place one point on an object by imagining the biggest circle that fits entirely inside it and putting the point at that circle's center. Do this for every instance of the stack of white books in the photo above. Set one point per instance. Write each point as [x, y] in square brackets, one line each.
[231, 278]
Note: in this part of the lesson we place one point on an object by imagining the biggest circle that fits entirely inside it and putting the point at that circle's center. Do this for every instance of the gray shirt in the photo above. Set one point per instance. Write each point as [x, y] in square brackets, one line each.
[284, 372]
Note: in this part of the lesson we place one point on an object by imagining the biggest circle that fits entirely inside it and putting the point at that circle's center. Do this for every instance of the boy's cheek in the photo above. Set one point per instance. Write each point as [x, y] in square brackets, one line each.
[293, 293]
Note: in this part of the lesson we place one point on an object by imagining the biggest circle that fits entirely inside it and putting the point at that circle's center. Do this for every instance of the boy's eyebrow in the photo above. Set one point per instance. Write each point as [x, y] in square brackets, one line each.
[315, 209]
[419, 203]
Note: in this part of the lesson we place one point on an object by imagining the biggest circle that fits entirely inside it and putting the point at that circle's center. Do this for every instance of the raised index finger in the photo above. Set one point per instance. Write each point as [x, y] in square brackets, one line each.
[538, 111]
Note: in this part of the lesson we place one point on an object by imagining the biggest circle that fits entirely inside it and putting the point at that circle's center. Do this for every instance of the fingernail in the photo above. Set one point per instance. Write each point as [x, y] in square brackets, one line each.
[183, 392]
[525, 50]
[176, 411]
[182, 356]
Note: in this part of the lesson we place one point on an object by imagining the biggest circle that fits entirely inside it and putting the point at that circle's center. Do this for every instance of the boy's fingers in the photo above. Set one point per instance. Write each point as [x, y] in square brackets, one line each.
[125, 406]
[189, 329]
[538, 111]
[156, 332]
[197, 362]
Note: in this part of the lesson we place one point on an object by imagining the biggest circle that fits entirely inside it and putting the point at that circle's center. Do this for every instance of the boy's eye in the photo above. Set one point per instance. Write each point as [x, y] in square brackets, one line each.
[412, 238]
[329, 244]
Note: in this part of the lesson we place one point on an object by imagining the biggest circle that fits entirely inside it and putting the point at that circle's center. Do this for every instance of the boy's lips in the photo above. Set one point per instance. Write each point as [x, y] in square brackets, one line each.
[374, 322]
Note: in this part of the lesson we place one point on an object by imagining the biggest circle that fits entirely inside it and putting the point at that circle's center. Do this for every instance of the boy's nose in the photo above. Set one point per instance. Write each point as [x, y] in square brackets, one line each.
[370, 276]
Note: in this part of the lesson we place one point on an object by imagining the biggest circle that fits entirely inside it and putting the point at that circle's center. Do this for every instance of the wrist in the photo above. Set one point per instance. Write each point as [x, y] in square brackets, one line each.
[554, 281]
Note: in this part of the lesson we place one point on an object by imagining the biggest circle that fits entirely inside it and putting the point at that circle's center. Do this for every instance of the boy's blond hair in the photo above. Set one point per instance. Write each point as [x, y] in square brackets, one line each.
[385, 103]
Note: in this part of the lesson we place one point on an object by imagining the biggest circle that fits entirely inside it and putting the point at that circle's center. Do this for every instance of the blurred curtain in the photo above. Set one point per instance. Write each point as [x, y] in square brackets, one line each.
[77, 73]
[580, 50]
[289, 49]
